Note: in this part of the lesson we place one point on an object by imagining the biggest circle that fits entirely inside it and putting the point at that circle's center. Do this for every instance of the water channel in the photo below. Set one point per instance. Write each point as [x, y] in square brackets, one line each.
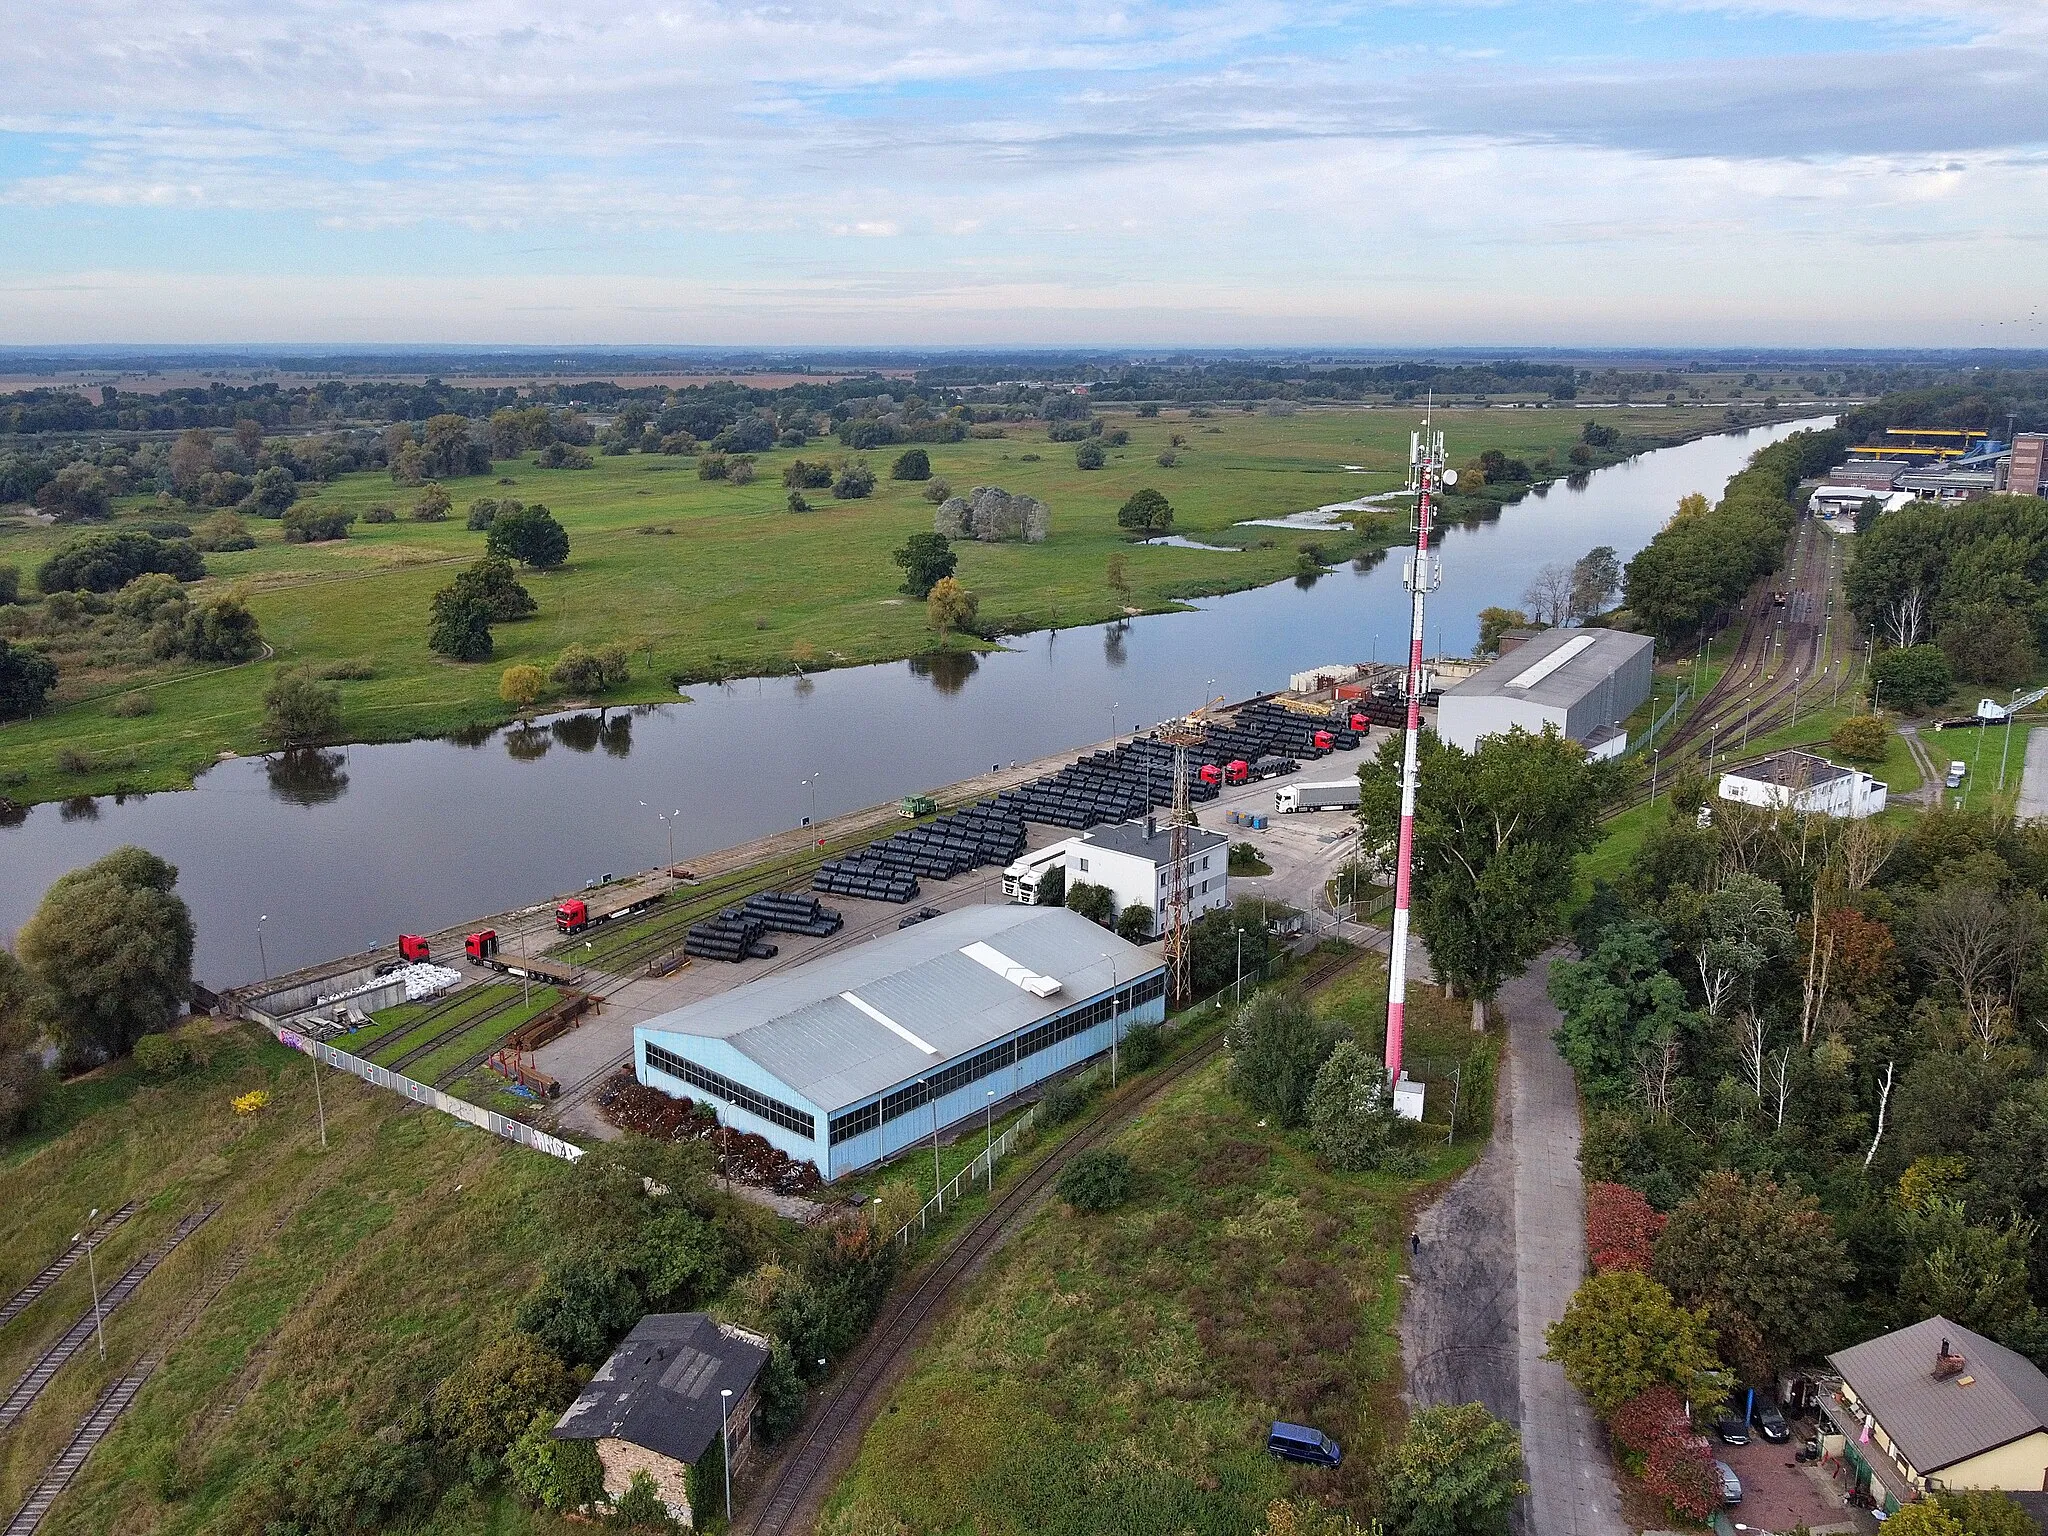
[344, 850]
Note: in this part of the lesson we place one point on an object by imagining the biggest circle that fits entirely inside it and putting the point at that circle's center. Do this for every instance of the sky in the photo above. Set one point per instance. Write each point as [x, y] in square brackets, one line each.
[966, 172]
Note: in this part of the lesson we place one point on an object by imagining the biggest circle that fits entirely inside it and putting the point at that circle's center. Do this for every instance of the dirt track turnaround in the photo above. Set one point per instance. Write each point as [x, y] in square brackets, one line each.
[794, 1487]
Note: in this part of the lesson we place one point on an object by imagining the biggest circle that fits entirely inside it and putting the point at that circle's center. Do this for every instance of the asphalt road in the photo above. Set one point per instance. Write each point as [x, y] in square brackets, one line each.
[2034, 782]
[1501, 1254]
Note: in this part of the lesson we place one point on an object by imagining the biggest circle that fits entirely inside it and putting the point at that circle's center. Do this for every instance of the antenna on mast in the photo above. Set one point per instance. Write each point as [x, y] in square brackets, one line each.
[1426, 479]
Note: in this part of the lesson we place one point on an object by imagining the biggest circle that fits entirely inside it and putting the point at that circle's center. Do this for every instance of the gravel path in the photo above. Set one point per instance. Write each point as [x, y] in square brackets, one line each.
[2034, 780]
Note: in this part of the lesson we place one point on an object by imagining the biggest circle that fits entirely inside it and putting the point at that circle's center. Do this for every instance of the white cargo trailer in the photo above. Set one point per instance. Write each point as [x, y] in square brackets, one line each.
[1337, 795]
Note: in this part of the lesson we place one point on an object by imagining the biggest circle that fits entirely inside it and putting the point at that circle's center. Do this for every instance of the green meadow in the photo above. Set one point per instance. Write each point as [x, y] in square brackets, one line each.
[707, 579]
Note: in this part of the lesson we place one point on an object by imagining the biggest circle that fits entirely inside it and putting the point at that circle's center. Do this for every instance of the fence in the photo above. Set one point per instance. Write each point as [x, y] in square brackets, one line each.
[983, 1167]
[502, 1126]
[1658, 724]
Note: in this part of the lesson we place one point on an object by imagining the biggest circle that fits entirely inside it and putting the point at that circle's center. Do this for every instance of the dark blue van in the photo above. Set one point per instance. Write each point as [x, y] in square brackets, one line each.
[1298, 1442]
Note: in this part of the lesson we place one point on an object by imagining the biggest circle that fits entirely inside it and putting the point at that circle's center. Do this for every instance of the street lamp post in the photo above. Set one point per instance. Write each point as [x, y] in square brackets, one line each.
[89, 1237]
[988, 1132]
[263, 953]
[1656, 753]
[932, 1099]
[725, 1447]
[1112, 722]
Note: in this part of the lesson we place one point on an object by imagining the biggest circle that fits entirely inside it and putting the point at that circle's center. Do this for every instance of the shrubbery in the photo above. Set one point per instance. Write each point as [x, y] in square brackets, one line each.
[107, 562]
[1095, 1180]
[306, 523]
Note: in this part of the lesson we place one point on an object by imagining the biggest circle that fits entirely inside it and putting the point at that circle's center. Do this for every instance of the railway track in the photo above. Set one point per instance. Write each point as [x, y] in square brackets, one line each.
[796, 1485]
[454, 1031]
[62, 1265]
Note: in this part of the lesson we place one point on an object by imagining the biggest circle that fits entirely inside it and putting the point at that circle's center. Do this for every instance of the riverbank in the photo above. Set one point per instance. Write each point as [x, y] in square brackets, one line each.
[705, 580]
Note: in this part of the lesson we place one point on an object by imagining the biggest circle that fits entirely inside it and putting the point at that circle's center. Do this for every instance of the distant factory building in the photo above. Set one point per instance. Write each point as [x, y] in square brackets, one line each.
[852, 1057]
[2026, 471]
[1583, 682]
[1135, 860]
[1868, 474]
[1800, 781]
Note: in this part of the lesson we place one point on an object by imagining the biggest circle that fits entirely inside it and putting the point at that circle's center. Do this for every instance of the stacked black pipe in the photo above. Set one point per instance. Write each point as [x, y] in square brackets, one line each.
[733, 935]
[987, 833]
[866, 878]
[793, 912]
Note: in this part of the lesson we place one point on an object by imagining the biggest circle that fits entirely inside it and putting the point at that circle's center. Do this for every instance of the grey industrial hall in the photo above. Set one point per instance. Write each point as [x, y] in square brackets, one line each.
[1582, 682]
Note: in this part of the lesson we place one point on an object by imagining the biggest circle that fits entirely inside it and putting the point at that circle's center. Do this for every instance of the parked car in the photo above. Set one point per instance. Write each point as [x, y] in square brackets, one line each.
[1731, 1485]
[1299, 1442]
[1956, 772]
[1732, 1429]
[1770, 1422]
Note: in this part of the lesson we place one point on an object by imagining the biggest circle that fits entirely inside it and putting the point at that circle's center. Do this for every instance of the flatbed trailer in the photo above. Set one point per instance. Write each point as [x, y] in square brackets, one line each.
[604, 904]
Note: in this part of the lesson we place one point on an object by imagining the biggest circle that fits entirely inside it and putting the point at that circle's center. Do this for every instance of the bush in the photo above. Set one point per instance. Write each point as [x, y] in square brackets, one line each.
[131, 706]
[1350, 1111]
[562, 456]
[796, 502]
[1277, 1047]
[1090, 455]
[1134, 923]
[855, 482]
[26, 678]
[346, 1483]
[741, 471]
[307, 524]
[434, 504]
[107, 562]
[1097, 903]
[714, 466]
[936, 490]
[1914, 678]
[521, 685]
[299, 710]
[220, 533]
[1143, 1044]
[486, 1404]
[350, 669]
[911, 464]
[586, 671]
[1862, 738]
[1621, 1228]
[1097, 1180]
[10, 585]
[557, 1475]
[1064, 1100]
[801, 475]
[380, 514]
[1457, 1472]
[168, 1054]
[482, 512]
[581, 1304]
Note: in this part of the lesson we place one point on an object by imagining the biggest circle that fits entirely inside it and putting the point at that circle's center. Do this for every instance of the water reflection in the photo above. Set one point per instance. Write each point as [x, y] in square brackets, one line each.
[306, 776]
[947, 671]
[527, 743]
[80, 808]
[1113, 652]
[475, 734]
[616, 737]
[577, 732]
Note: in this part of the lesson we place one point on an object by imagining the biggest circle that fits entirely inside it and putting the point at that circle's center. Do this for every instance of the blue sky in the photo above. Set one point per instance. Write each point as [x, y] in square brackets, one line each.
[1824, 172]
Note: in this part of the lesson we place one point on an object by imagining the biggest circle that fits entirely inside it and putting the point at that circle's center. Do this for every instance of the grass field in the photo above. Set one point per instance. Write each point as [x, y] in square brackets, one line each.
[721, 580]
[1118, 1372]
[377, 1264]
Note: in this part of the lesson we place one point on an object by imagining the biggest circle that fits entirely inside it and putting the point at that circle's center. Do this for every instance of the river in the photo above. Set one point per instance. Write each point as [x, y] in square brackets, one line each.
[347, 849]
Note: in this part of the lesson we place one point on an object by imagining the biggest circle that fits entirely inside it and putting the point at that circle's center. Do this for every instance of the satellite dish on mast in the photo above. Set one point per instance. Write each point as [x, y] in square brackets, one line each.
[1450, 477]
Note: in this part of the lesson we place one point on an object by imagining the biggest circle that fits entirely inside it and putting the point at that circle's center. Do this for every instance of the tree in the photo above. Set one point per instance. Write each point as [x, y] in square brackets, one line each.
[520, 685]
[1457, 1472]
[796, 502]
[1979, 945]
[77, 493]
[580, 1305]
[1052, 887]
[459, 625]
[1089, 454]
[1548, 597]
[299, 710]
[1762, 1261]
[950, 606]
[1596, 577]
[221, 628]
[1277, 1046]
[529, 535]
[854, 482]
[272, 492]
[306, 523]
[1969, 1272]
[558, 1475]
[1118, 575]
[1924, 1518]
[936, 490]
[1351, 1120]
[927, 559]
[107, 562]
[1146, 512]
[1862, 738]
[10, 585]
[1916, 677]
[488, 1401]
[1497, 836]
[483, 512]
[434, 504]
[1620, 1003]
[1495, 622]
[1621, 1228]
[1134, 923]
[1097, 903]
[1622, 1334]
[1096, 1180]
[1984, 1512]
[447, 451]
[491, 582]
[911, 464]
[26, 678]
[586, 671]
[110, 947]
[23, 1079]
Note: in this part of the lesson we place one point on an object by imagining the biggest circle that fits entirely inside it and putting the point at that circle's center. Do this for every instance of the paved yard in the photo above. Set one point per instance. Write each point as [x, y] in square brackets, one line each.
[1778, 1494]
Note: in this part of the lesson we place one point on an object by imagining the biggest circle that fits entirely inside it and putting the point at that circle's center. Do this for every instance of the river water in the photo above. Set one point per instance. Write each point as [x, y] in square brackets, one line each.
[346, 849]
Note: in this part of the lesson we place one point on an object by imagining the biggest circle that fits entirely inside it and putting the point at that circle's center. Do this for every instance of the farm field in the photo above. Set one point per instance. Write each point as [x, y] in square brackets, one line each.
[1118, 1372]
[374, 1268]
[706, 579]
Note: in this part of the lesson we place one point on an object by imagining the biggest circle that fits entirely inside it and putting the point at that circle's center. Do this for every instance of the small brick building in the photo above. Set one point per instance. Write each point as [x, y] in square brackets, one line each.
[654, 1406]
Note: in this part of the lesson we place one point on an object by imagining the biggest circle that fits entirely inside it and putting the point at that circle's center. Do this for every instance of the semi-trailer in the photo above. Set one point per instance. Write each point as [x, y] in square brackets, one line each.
[483, 949]
[1338, 795]
[604, 905]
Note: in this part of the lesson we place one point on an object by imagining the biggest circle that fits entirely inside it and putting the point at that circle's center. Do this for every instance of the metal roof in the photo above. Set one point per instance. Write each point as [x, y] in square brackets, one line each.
[1792, 770]
[1132, 838]
[816, 1028]
[1536, 671]
[660, 1388]
[1997, 1397]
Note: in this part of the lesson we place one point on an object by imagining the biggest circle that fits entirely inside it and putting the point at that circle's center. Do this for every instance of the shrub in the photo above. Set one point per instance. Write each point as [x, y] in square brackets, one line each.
[481, 513]
[1457, 1472]
[1064, 1100]
[299, 710]
[1143, 1044]
[936, 490]
[558, 1475]
[714, 466]
[854, 482]
[1097, 903]
[130, 706]
[1621, 1228]
[346, 1483]
[797, 502]
[1862, 738]
[434, 504]
[562, 456]
[1134, 923]
[1089, 455]
[1914, 678]
[1277, 1047]
[107, 562]
[911, 464]
[486, 1404]
[1097, 1180]
[580, 1305]
[801, 475]
[168, 1054]
[10, 585]
[1167, 458]
[307, 524]
[26, 678]
[520, 685]
[380, 514]
[350, 669]
[1350, 1110]
[586, 671]
[272, 491]
[741, 471]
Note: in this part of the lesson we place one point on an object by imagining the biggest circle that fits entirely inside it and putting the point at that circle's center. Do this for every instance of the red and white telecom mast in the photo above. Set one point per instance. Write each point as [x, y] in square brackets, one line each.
[1426, 478]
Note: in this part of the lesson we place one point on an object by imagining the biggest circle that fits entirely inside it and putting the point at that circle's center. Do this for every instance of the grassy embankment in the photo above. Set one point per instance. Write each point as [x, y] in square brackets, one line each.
[377, 1266]
[722, 580]
[1118, 1372]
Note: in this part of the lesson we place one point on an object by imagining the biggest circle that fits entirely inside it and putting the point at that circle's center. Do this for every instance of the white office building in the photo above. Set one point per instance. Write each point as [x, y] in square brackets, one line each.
[1135, 860]
[1802, 782]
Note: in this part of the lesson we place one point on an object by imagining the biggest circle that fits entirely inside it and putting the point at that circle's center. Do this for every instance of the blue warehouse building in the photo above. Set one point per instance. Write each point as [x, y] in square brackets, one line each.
[849, 1058]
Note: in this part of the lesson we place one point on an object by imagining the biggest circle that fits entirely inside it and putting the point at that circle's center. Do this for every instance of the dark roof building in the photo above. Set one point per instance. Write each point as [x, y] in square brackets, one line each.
[1946, 1407]
[660, 1390]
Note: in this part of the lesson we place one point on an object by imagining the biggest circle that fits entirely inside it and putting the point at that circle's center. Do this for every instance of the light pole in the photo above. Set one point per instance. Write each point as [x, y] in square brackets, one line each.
[1113, 1020]
[812, 785]
[89, 1237]
[1112, 722]
[988, 1131]
[669, 823]
[1655, 754]
[725, 1447]
[1237, 993]
[263, 953]
[932, 1099]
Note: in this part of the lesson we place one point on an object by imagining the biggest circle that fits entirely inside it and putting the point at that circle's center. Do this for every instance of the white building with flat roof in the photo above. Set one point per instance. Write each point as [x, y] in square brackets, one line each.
[1135, 860]
[1802, 782]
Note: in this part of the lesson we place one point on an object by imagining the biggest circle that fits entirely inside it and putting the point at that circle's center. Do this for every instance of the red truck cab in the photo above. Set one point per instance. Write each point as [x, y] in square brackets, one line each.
[1360, 724]
[572, 916]
[1210, 774]
[412, 947]
[1237, 771]
[1324, 740]
[481, 946]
